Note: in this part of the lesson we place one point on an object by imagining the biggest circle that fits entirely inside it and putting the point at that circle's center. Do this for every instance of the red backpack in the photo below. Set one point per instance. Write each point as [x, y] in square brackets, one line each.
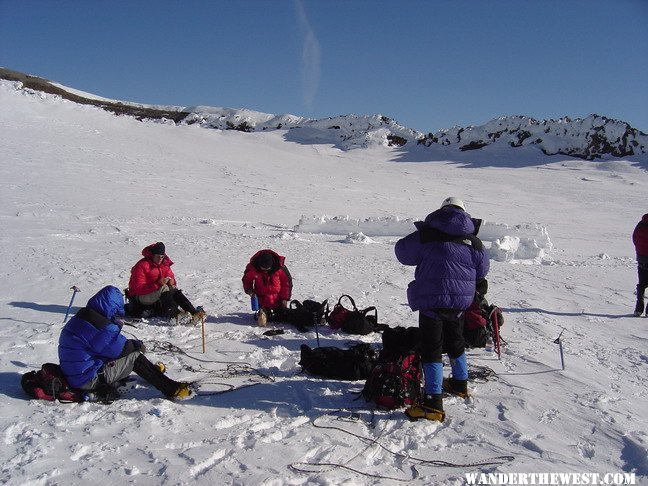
[50, 384]
[395, 381]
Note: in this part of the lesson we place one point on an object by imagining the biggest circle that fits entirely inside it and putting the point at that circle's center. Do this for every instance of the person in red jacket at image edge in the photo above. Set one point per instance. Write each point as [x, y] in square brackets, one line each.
[640, 240]
[267, 276]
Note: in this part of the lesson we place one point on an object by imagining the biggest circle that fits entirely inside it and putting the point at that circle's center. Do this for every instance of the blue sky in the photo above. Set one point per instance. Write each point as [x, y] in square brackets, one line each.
[427, 64]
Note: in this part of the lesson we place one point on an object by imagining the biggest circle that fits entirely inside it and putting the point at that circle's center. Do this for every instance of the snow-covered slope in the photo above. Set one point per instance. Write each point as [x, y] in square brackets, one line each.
[83, 191]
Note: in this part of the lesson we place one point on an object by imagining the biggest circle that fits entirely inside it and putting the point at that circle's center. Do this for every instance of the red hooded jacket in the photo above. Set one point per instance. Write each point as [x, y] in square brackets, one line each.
[640, 237]
[145, 275]
[270, 287]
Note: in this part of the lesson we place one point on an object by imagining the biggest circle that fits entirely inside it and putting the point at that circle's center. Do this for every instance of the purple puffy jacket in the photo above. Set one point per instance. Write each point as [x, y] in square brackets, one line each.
[446, 270]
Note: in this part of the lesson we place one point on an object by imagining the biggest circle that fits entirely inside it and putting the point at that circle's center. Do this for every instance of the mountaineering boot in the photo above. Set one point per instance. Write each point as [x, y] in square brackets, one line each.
[262, 317]
[456, 387]
[153, 374]
[431, 408]
[183, 392]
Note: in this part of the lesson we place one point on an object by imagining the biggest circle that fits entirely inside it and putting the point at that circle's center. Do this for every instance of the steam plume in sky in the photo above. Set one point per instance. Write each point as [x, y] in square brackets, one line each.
[311, 57]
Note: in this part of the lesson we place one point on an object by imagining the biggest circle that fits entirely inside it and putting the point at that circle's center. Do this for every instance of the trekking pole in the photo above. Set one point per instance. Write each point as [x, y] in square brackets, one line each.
[498, 344]
[317, 333]
[202, 322]
[75, 290]
[558, 341]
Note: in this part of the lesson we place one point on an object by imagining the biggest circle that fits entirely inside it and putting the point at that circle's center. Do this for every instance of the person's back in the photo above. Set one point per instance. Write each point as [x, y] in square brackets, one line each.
[449, 260]
[91, 336]
[93, 354]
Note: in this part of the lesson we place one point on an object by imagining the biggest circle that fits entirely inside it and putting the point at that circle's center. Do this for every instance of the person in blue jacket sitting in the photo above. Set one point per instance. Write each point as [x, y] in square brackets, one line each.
[449, 260]
[94, 355]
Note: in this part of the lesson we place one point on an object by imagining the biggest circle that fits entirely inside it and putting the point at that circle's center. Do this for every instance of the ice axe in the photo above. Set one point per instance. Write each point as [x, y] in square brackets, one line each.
[75, 289]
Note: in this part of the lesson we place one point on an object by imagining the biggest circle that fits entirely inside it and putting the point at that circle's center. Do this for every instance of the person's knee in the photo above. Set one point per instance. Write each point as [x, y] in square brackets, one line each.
[455, 347]
[455, 352]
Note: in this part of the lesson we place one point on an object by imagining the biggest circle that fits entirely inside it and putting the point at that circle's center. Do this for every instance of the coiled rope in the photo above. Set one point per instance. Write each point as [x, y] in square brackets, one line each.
[316, 467]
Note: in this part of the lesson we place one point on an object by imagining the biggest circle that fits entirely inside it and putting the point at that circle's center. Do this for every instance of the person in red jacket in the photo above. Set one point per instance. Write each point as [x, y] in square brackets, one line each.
[267, 277]
[640, 240]
[153, 284]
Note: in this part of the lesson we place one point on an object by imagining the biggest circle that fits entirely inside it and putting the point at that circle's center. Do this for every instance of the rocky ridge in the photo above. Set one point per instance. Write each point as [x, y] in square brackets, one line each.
[587, 138]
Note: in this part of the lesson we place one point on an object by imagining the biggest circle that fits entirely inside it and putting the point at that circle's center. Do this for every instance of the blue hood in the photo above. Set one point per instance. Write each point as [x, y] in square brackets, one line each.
[109, 302]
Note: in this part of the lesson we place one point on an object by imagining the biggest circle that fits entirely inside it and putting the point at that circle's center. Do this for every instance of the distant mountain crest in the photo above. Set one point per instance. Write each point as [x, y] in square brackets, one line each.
[589, 138]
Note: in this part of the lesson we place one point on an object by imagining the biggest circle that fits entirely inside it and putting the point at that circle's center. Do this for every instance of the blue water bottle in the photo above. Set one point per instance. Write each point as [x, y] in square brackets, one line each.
[254, 302]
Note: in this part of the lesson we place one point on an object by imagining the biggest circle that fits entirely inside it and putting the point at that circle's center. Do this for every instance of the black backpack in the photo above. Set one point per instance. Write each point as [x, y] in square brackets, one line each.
[50, 384]
[401, 340]
[341, 364]
[305, 314]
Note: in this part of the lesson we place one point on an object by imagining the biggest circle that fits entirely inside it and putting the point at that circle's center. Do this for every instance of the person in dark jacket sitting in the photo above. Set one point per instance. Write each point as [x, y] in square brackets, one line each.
[640, 240]
[95, 355]
[449, 260]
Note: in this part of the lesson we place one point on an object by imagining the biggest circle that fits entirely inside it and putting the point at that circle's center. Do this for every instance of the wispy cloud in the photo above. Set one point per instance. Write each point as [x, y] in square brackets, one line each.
[311, 57]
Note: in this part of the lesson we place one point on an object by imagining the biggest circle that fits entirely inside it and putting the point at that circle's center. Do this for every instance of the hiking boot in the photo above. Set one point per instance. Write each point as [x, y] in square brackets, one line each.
[262, 318]
[183, 392]
[430, 409]
[198, 316]
[456, 387]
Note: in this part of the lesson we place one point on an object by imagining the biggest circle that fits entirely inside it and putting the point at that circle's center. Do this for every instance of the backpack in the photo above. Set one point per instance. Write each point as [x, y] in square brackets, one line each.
[50, 384]
[478, 322]
[353, 321]
[305, 314]
[395, 381]
[401, 340]
[341, 364]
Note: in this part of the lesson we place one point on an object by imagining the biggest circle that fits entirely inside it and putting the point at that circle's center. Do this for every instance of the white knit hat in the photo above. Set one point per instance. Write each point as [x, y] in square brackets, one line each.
[454, 201]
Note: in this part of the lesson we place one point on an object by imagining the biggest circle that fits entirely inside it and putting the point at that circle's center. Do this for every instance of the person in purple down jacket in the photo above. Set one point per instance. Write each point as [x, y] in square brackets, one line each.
[449, 260]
